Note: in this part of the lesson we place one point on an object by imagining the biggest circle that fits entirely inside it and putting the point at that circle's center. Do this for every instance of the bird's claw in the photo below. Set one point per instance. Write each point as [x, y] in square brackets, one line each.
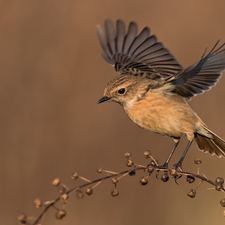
[164, 166]
[178, 168]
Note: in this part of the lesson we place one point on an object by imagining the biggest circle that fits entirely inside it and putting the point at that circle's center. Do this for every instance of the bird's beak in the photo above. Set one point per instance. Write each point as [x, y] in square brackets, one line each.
[103, 99]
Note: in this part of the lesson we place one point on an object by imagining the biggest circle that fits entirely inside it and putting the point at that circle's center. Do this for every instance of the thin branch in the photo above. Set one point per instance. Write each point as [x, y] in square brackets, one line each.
[218, 184]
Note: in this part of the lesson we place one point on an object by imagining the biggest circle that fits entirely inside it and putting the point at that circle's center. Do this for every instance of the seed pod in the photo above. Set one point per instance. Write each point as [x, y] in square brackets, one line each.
[37, 203]
[22, 218]
[56, 182]
[127, 154]
[191, 193]
[129, 163]
[89, 191]
[190, 179]
[64, 197]
[150, 169]
[74, 175]
[147, 154]
[114, 180]
[219, 180]
[173, 172]
[80, 194]
[218, 186]
[99, 170]
[197, 161]
[222, 202]
[144, 180]
[114, 192]
[61, 190]
[60, 214]
[165, 177]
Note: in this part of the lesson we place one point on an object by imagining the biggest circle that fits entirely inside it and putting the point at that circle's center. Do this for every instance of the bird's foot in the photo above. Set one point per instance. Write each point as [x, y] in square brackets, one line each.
[178, 168]
[162, 167]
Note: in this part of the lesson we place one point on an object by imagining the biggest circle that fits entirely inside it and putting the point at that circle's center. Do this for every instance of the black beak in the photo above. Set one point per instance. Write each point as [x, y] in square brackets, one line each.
[103, 99]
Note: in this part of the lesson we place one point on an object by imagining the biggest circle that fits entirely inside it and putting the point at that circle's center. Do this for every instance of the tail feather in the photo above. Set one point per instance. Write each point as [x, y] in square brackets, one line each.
[214, 145]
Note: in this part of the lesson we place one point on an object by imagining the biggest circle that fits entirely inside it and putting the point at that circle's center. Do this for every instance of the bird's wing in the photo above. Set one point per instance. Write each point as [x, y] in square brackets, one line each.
[127, 51]
[202, 75]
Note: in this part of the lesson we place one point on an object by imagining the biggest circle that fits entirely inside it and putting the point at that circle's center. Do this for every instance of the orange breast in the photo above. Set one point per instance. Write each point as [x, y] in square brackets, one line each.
[168, 115]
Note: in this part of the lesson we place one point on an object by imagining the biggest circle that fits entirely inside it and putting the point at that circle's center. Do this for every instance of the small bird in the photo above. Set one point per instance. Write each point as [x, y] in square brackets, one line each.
[153, 88]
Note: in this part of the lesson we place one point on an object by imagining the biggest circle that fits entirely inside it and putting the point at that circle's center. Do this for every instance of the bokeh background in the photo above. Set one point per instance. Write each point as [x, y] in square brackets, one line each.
[51, 76]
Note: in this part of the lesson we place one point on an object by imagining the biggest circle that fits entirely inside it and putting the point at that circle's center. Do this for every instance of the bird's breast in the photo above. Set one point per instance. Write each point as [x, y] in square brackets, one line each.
[168, 115]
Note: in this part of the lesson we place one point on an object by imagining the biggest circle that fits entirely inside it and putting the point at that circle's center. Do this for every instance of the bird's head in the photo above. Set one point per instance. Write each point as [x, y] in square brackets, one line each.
[125, 90]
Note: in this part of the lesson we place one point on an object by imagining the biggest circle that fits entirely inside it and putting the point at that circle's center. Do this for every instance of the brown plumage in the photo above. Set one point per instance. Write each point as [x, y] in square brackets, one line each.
[153, 88]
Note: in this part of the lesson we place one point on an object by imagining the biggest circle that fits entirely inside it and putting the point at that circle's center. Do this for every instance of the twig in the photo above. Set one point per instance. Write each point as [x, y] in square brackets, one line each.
[218, 184]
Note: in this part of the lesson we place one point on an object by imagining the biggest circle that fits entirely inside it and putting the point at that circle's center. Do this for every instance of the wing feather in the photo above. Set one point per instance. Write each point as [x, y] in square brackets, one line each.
[131, 34]
[120, 29]
[139, 40]
[145, 45]
[201, 76]
[128, 49]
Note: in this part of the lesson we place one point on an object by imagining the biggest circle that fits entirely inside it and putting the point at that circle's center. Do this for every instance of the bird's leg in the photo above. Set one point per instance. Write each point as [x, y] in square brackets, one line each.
[165, 165]
[178, 166]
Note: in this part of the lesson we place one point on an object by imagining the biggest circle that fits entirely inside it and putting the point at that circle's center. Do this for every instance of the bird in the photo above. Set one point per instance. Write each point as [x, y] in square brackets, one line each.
[154, 89]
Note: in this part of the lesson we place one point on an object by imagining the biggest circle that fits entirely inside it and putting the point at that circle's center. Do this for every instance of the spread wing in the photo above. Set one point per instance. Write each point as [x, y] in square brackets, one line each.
[129, 52]
[202, 75]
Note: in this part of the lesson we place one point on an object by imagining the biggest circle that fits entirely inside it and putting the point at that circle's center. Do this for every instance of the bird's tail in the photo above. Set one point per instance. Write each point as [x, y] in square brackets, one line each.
[214, 145]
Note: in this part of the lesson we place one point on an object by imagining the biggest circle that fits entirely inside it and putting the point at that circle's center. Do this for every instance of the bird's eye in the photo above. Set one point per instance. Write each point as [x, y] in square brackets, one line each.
[121, 91]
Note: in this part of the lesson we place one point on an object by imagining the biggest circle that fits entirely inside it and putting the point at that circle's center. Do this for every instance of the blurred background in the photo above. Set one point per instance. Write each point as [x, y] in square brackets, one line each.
[52, 75]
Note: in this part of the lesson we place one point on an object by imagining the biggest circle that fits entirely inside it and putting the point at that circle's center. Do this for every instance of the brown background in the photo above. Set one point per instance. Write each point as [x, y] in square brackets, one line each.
[51, 76]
